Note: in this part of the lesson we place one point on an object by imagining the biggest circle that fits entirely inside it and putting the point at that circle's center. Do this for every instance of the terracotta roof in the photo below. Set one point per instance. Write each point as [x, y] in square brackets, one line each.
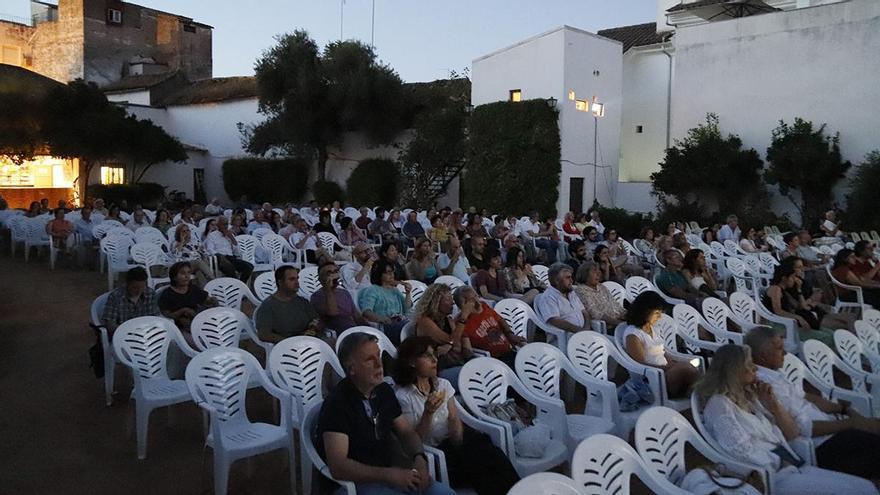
[636, 35]
[211, 90]
[139, 82]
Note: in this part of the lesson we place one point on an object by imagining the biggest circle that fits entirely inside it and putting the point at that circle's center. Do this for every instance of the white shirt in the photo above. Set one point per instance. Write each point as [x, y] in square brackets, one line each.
[553, 304]
[132, 226]
[213, 209]
[655, 351]
[725, 233]
[217, 243]
[412, 405]
[598, 225]
[794, 401]
[460, 270]
[257, 225]
[349, 271]
[746, 436]
[296, 237]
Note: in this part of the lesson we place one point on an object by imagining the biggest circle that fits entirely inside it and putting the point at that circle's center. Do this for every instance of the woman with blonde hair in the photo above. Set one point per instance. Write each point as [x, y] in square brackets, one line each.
[423, 265]
[744, 417]
[432, 317]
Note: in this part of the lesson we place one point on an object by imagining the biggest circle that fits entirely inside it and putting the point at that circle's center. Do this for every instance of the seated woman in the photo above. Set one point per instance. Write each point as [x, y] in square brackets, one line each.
[708, 236]
[844, 262]
[184, 249]
[388, 251]
[350, 234]
[596, 297]
[382, 303]
[748, 422]
[439, 231]
[33, 210]
[427, 401]
[646, 348]
[163, 221]
[680, 242]
[582, 221]
[781, 302]
[423, 265]
[647, 234]
[433, 320]
[569, 227]
[811, 299]
[490, 282]
[182, 300]
[519, 277]
[484, 328]
[750, 243]
[602, 259]
[59, 229]
[698, 273]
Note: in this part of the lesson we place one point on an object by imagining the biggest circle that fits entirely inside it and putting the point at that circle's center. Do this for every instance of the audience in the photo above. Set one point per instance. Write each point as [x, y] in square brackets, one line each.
[484, 328]
[577, 254]
[184, 249]
[542, 235]
[383, 303]
[559, 305]
[453, 261]
[356, 275]
[845, 262]
[673, 283]
[219, 244]
[867, 266]
[781, 302]
[829, 226]
[60, 229]
[412, 229]
[182, 300]
[698, 274]
[730, 230]
[285, 313]
[478, 254]
[333, 303]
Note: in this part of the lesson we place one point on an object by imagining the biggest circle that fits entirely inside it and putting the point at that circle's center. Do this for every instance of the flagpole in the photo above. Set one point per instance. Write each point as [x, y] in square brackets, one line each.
[341, 15]
[373, 28]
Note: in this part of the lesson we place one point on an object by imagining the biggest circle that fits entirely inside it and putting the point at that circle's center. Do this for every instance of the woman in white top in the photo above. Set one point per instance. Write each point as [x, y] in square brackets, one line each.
[746, 420]
[184, 249]
[428, 403]
[749, 243]
[648, 349]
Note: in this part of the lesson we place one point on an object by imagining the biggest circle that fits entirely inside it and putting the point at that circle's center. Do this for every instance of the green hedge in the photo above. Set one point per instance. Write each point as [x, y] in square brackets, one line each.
[374, 182]
[146, 194]
[861, 202]
[326, 192]
[261, 179]
[513, 158]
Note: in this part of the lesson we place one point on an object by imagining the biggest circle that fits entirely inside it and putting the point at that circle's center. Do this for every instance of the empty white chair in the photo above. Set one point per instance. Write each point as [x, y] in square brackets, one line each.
[860, 297]
[218, 380]
[230, 292]
[35, 236]
[97, 309]
[668, 330]
[520, 317]
[218, 327]
[872, 316]
[541, 272]
[484, 381]
[449, 280]
[747, 309]
[115, 250]
[264, 285]
[869, 336]
[689, 321]
[329, 242]
[246, 248]
[821, 360]
[540, 367]
[276, 246]
[385, 344]
[308, 281]
[717, 313]
[142, 345]
[604, 464]
[545, 484]
[636, 285]
[148, 255]
[618, 292]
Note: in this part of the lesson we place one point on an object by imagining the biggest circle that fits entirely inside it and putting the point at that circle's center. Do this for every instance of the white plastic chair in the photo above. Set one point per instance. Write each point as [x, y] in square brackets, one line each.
[717, 313]
[115, 250]
[142, 345]
[667, 329]
[329, 242]
[264, 285]
[484, 381]
[821, 360]
[860, 298]
[276, 246]
[520, 317]
[35, 236]
[660, 438]
[18, 234]
[309, 431]
[747, 309]
[545, 484]
[689, 321]
[618, 292]
[218, 327]
[230, 292]
[385, 344]
[246, 247]
[308, 281]
[450, 281]
[148, 255]
[297, 365]
[636, 285]
[869, 336]
[418, 289]
[872, 316]
[97, 309]
[540, 367]
[604, 464]
[218, 380]
[541, 272]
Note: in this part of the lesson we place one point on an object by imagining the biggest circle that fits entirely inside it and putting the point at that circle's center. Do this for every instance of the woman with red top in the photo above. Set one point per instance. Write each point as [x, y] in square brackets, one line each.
[484, 328]
[844, 262]
[568, 225]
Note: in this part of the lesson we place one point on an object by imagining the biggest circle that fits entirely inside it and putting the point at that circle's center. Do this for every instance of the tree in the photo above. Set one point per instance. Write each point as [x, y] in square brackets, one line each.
[862, 212]
[311, 99]
[805, 159]
[146, 144]
[705, 167]
[375, 181]
[20, 137]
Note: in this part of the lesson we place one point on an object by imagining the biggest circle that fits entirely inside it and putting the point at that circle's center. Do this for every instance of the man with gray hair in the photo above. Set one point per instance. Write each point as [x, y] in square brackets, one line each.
[845, 441]
[559, 305]
[730, 230]
[356, 422]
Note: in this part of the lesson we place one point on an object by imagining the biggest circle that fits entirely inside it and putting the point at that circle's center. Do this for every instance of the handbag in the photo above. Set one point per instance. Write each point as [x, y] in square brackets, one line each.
[717, 479]
[633, 393]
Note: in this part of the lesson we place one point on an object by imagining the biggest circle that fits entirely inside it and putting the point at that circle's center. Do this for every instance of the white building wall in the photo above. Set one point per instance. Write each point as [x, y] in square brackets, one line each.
[139, 97]
[818, 63]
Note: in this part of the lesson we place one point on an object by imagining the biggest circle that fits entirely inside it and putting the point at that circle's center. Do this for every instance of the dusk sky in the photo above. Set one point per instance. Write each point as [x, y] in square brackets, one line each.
[423, 40]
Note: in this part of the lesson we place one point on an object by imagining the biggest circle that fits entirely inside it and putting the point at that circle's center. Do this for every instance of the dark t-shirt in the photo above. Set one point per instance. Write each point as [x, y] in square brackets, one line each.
[369, 436]
[344, 304]
[285, 318]
[479, 264]
[170, 300]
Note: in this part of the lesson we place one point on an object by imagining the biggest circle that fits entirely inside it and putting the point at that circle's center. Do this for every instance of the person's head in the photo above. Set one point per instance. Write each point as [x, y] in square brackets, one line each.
[731, 374]
[182, 233]
[750, 233]
[362, 252]
[694, 260]
[708, 235]
[594, 215]
[237, 220]
[324, 217]
[259, 217]
[437, 221]
[452, 244]
[511, 241]
[796, 263]
[412, 217]
[287, 279]
[276, 218]
[830, 215]
[395, 215]
[588, 274]
[465, 294]
[560, 277]
[767, 346]
[435, 304]
[329, 271]
[85, 213]
[383, 273]
[361, 359]
[380, 213]
[590, 233]
[498, 220]
[267, 207]
[59, 213]
[478, 244]
[416, 358]
[791, 240]
[423, 248]
[180, 274]
[364, 211]
[645, 310]
[611, 235]
[210, 226]
[139, 215]
[680, 242]
[135, 281]
[845, 257]
[345, 223]
[534, 216]
[670, 229]
[163, 217]
[864, 249]
[495, 261]
[664, 242]
[647, 234]
[389, 252]
[673, 259]
[99, 203]
[578, 249]
[805, 238]
[187, 214]
[732, 221]
[511, 221]
[601, 253]
[44, 203]
[784, 276]
[113, 211]
[516, 258]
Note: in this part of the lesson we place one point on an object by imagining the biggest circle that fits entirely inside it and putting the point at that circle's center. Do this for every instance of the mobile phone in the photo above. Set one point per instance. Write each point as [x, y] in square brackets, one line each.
[695, 362]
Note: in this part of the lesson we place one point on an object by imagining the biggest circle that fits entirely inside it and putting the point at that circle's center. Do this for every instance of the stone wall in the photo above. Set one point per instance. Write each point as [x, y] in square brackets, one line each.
[17, 36]
[58, 46]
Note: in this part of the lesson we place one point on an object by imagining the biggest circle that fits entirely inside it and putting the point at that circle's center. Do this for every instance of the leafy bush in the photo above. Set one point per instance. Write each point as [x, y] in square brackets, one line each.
[146, 194]
[261, 179]
[374, 182]
[326, 192]
[862, 212]
[628, 225]
[513, 158]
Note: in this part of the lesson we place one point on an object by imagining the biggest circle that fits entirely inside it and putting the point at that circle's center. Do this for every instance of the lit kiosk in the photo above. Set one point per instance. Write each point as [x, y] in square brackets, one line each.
[43, 177]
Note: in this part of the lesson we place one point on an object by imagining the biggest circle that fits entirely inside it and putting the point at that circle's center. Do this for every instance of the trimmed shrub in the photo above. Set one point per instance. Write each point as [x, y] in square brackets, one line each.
[146, 194]
[326, 192]
[513, 158]
[261, 179]
[374, 182]
[862, 212]
[628, 225]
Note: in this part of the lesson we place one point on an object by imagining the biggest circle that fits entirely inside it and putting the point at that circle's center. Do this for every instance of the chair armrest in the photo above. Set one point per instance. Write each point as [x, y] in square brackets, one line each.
[863, 403]
[698, 343]
[685, 357]
[437, 464]
[481, 353]
[599, 326]
[607, 389]
[499, 432]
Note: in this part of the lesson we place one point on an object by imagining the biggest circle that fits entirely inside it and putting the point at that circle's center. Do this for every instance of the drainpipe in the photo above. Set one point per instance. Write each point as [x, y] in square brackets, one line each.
[668, 98]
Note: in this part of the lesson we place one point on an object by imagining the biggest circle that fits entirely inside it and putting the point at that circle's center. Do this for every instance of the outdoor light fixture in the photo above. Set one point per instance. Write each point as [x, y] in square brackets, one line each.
[571, 95]
[551, 102]
[598, 109]
[582, 105]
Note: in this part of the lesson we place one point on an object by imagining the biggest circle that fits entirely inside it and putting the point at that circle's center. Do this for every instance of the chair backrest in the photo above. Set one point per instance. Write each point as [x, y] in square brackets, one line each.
[116, 248]
[449, 280]
[152, 236]
[589, 352]
[218, 378]
[408, 330]
[539, 366]
[260, 233]
[229, 292]
[97, 309]
[849, 348]
[518, 315]
[618, 292]
[246, 245]
[872, 316]
[297, 365]
[385, 344]
[418, 289]
[666, 329]
[147, 254]
[328, 241]
[793, 370]
[546, 483]
[308, 281]
[660, 437]
[636, 285]
[821, 360]
[604, 464]
[541, 272]
[264, 285]
[869, 336]
[716, 313]
[274, 244]
[689, 321]
[218, 327]
[743, 306]
[142, 345]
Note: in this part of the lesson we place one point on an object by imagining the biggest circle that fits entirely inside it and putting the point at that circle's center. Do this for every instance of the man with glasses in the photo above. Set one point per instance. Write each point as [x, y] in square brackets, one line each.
[356, 275]
[333, 303]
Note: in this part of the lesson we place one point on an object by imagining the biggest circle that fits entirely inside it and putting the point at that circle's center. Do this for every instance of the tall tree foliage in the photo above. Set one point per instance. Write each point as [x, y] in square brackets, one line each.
[805, 160]
[861, 202]
[705, 167]
[311, 98]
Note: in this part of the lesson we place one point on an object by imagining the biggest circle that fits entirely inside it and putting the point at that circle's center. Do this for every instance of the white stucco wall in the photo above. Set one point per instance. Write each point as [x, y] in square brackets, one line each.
[819, 63]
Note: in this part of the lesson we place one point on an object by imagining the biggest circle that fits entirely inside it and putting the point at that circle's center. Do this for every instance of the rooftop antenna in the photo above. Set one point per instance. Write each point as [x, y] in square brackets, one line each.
[341, 16]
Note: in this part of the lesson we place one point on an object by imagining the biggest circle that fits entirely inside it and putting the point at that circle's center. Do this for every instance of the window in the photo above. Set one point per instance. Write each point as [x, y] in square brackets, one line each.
[189, 28]
[114, 16]
[112, 175]
[639, 129]
[515, 95]
[10, 55]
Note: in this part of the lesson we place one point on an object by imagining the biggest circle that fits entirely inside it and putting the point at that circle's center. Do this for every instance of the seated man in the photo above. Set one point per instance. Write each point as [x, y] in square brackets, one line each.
[83, 226]
[138, 220]
[285, 313]
[333, 303]
[453, 260]
[129, 301]
[578, 251]
[542, 235]
[845, 441]
[559, 305]
[477, 254]
[356, 275]
[485, 328]
[866, 266]
[355, 426]
[829, 225]
[674, 284]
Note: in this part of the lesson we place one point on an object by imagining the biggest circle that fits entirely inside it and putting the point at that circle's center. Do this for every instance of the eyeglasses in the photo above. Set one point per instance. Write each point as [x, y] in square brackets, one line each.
[429, 355]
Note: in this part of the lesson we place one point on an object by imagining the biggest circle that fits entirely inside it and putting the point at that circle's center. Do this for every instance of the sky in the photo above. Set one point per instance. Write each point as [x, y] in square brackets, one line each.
[422, 40]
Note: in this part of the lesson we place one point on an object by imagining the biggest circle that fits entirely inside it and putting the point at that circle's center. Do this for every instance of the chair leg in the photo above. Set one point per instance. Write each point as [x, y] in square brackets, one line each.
[109, 365]
[143, 422]
[27, 251]
[221, 473]
[291, 460]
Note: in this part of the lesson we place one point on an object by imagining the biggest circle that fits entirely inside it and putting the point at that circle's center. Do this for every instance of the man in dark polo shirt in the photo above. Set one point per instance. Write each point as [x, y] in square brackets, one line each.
[355, 426]
[285, 313]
